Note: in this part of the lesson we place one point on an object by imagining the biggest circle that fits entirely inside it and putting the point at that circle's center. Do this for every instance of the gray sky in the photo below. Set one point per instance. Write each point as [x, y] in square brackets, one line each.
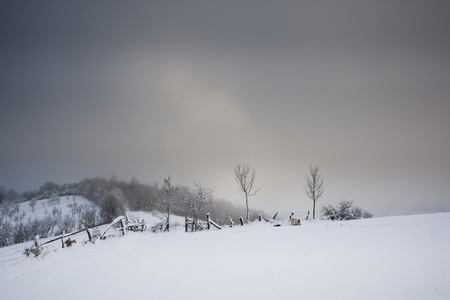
[192, 88]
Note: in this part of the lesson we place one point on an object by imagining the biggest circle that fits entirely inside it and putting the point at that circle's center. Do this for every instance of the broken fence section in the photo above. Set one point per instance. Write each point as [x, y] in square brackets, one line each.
[194, 224]
[123, 222]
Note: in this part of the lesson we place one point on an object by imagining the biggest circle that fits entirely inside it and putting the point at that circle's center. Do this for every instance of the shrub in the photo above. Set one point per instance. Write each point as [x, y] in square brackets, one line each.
[344, 211]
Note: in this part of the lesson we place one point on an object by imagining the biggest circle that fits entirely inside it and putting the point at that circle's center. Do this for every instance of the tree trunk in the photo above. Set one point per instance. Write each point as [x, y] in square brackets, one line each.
[168, 222]
[246, 203]
[314, 210]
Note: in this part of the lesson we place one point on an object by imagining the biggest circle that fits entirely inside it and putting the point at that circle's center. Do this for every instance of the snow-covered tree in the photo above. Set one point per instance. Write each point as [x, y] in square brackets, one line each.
[6, 233]
[54, 199]
[113, 205]
[88, 217]
[198, 199]
[167, 200]
[67, 224]
[33, 203]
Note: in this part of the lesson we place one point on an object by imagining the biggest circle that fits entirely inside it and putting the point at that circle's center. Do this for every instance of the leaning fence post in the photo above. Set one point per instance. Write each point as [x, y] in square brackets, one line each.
[89, 234]
[242, 221]
[208, 220]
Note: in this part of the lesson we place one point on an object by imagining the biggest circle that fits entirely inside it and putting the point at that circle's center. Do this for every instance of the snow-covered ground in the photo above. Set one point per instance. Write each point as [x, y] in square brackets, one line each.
[405, 257]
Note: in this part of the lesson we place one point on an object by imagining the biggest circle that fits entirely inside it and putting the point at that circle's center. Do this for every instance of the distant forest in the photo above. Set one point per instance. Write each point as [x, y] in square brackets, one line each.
[194, 202]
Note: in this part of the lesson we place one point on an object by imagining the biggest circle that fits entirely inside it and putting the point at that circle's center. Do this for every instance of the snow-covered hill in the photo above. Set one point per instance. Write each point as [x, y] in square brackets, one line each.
[51, 217]
[402, 257]
[43, 207]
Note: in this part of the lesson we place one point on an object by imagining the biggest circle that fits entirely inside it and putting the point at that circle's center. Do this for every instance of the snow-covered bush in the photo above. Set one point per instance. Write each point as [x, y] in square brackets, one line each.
[344, 211]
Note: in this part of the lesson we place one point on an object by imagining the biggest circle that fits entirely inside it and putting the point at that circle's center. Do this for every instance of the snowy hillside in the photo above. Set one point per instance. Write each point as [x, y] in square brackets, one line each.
[20, 222]
[402, 257]
[43, 207]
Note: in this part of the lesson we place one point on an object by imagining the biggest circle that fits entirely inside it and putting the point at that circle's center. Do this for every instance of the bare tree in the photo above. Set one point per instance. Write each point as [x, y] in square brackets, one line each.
[200, 197]
[167, 200]
[245, 182]
[314, 187]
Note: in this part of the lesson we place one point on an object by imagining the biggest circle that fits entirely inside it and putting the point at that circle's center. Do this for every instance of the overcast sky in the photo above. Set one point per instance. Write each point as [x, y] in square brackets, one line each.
[189, 89]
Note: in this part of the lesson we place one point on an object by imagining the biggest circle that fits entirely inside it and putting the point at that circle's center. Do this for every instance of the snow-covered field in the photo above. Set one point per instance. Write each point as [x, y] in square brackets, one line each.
[405, 257]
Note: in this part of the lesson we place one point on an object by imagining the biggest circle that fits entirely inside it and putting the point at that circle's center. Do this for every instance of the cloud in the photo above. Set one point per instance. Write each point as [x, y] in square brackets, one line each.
[188, 90]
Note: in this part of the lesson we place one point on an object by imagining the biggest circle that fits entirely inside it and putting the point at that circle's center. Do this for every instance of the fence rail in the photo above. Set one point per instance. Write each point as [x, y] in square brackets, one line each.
[122, 221]
[74, 233]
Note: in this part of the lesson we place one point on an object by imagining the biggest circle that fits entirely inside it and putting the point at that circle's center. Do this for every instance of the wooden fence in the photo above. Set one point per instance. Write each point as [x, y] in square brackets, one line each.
[197, 225]
[123, 222]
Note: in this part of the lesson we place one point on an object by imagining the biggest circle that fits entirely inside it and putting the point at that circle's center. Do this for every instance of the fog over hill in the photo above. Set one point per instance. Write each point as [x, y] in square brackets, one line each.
[190, 89]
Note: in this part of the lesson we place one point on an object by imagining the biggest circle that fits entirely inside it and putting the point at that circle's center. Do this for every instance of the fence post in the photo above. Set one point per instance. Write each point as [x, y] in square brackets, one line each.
[122, 223]
[185, 224]
[275, 216]
[89, 234]
[242, 221]
[38, 245]
[208, 220]
[62, 239]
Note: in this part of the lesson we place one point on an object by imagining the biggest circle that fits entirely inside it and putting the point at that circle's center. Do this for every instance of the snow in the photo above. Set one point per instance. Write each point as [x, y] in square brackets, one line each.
[404, 257]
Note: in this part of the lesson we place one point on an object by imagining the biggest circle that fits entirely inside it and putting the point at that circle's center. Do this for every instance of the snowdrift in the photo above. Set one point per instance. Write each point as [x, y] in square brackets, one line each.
[402, 257]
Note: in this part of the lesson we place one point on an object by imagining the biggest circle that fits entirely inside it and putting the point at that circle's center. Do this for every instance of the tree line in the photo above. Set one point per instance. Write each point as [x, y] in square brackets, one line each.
[114, 197]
